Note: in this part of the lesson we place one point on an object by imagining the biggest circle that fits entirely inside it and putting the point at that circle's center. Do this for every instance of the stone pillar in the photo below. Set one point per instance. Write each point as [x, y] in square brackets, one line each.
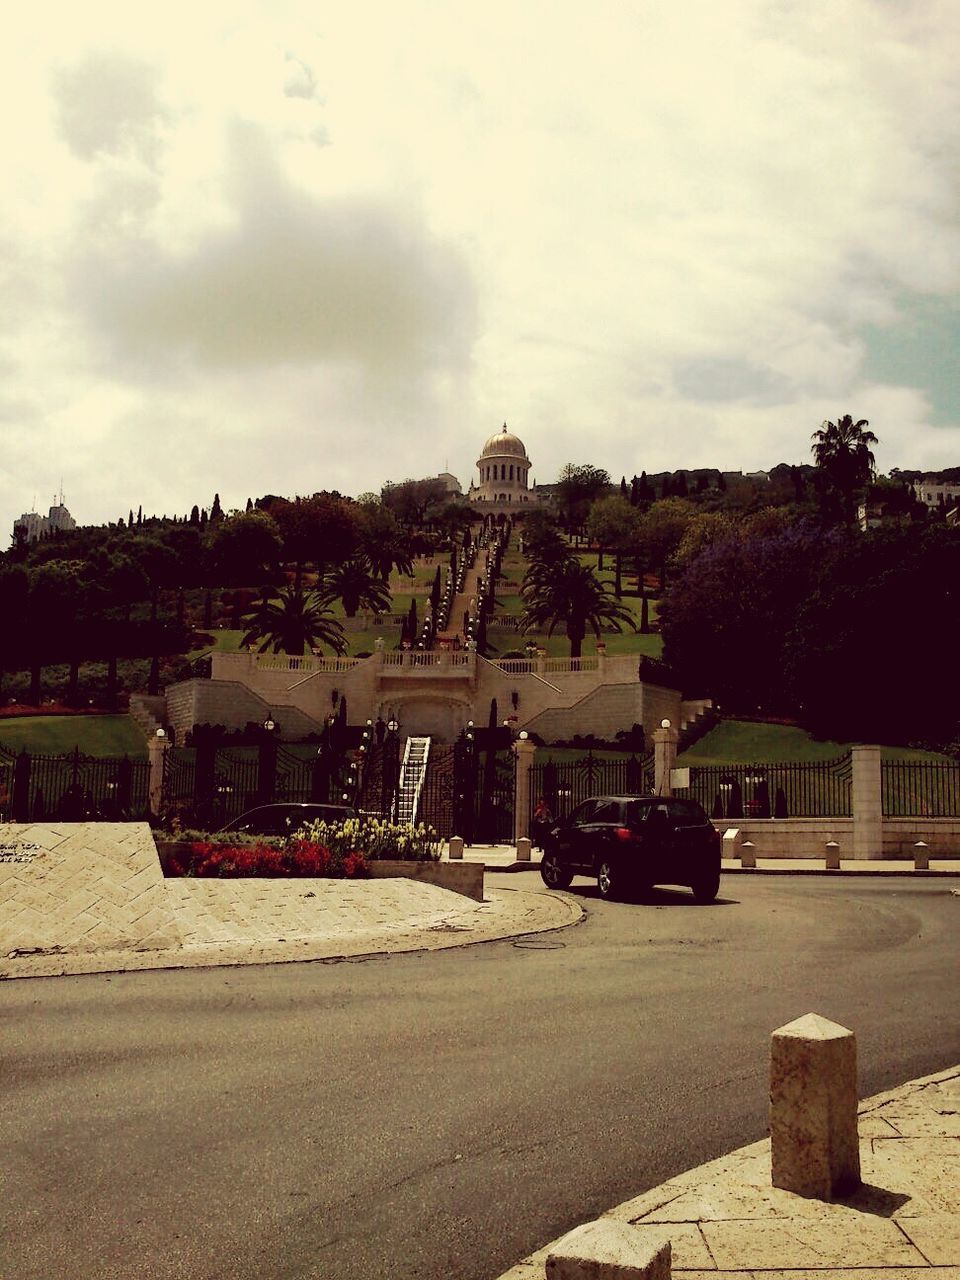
[456, 848]
[665, 740]
[867, 803]
[525, 752]
[157, 748]
[814, 1144]
[523, 849]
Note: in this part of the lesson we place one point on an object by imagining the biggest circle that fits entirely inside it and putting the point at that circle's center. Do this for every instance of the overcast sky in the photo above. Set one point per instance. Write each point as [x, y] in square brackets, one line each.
[256, 248]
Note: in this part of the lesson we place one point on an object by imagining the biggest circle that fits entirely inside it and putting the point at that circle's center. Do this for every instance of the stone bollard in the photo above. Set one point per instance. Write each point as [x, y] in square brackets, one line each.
[523, 849]
[456, 848]
[921, 856]
[748, 854]
[814, 1143]
[832, 856]
[608, 1250]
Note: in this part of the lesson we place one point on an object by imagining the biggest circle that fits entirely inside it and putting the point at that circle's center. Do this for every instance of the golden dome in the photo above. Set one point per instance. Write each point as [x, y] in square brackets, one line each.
[504, 444]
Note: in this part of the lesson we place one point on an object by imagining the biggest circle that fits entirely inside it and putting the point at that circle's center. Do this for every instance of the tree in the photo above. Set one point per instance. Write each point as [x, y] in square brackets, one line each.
[661, 531]
[325, 529]
[726, 618]
[615, 526]
[841, 451]
[703, 530]
[872, 645]
[410, 499]
[568, 592]
[355, 584]
[385, 544]
[542, 538]
[291, 621]
[244, 548]
[577, 488]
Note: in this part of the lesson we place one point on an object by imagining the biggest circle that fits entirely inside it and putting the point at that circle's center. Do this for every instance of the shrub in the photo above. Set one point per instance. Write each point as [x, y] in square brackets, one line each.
[378, 838]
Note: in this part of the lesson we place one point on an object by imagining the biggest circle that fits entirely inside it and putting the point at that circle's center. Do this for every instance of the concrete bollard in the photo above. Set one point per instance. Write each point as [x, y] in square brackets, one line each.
[523, 849]
[748, 854]
[456, 847]
[814, 1143]
[608, 1250]
[921, 856]
[832, 856]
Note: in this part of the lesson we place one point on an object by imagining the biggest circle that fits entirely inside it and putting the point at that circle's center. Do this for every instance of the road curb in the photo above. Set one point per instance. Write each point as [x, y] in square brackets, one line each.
[512, 913]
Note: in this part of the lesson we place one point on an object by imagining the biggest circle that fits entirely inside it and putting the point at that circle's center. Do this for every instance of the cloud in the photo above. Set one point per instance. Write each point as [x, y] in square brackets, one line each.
[293, 280]
[107, 103]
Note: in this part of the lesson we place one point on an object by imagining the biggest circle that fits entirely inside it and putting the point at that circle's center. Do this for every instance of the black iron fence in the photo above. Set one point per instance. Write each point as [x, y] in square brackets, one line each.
[210, 784]
[562, 784]
[72, 787]
[920, 788]
[794, 789]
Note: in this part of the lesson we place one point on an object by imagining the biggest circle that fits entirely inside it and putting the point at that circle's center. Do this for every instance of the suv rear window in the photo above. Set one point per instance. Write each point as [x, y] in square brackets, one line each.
[686, 813]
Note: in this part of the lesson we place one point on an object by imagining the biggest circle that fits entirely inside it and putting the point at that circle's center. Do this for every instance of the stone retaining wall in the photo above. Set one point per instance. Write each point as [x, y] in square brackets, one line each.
[807, 837]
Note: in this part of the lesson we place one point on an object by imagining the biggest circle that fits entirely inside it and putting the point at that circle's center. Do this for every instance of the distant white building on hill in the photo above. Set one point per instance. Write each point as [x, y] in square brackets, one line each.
[934, 492]
[36, 526]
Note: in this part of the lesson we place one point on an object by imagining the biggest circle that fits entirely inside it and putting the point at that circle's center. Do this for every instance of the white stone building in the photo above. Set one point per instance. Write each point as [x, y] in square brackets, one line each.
[935, 493]
[58, 520]
[504, 475]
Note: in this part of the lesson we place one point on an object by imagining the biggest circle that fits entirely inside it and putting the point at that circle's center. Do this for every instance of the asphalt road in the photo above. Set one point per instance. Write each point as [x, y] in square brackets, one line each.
[443, 1114]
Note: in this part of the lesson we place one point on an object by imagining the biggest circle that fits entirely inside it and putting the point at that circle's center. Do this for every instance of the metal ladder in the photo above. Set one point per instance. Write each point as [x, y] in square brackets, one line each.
[412, 773]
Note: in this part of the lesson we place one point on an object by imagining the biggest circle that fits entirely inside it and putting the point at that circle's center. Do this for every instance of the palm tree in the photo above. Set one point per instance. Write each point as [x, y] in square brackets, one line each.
[357, 585]
[291, 620]
[568, 591]
[841, 451]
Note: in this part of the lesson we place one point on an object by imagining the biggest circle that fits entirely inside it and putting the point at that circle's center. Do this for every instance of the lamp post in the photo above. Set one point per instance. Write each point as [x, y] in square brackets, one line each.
[267, 763]
[390, 770]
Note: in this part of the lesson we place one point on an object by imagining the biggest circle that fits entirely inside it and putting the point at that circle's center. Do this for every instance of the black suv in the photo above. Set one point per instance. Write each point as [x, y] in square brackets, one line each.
[631, 843]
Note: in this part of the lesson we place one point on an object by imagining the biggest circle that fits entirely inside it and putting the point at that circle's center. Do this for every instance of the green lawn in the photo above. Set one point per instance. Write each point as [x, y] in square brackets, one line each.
[56, 735]
[744, 742]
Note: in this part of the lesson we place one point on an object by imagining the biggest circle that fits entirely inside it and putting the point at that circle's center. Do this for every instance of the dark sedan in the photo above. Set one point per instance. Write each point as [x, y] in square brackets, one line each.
[284, 819]
[631, 843]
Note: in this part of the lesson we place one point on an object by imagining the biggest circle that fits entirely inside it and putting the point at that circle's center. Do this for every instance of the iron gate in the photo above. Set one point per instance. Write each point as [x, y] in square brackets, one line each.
[563, 784]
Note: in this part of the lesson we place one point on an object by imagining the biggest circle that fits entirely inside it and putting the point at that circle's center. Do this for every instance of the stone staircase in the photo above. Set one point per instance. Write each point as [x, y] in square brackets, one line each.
[149, 712]
[412, 772]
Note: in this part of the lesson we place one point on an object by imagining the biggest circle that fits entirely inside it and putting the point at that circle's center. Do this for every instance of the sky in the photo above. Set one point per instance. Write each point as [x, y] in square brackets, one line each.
[252, 248]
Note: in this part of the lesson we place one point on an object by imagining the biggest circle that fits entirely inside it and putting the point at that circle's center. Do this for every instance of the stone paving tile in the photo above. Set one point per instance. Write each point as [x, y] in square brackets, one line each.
[923, 1119]
[690, 1252]
[877, 1125]
[809, 1243]
[937, 1236]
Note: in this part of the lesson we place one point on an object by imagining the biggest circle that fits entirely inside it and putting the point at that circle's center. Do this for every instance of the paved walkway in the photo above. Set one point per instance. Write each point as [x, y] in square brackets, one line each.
[725, 1220]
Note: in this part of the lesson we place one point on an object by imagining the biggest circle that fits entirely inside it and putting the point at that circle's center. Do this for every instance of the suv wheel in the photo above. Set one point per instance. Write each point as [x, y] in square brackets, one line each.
[608, 879]
[554, 875]
[706, 886]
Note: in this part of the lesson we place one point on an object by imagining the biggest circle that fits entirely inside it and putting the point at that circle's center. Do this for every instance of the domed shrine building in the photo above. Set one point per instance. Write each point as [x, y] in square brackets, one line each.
[504, 475]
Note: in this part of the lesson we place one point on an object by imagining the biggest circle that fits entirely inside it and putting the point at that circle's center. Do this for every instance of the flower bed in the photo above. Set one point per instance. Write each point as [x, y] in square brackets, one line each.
[339, 850]
[206, 858]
